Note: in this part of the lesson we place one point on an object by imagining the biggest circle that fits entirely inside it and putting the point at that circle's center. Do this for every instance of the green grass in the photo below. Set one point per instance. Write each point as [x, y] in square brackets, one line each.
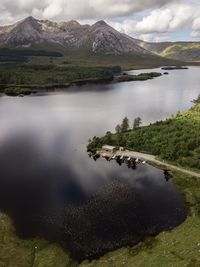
[183, 51]
[126, 62]
[85, 58]
[15, 252]
[177, 47]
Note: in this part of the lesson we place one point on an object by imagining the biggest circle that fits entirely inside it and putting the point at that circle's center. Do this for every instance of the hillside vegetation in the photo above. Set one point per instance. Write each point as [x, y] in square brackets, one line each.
[184, 51]
[176, 139]
[187, 52]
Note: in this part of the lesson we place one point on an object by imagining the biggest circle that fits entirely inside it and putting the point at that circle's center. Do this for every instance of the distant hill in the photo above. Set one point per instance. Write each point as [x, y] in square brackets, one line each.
[184, 51]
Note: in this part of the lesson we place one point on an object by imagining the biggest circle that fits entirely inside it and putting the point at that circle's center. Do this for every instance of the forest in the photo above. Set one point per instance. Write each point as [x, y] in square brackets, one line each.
[176, 139]
[15, 77]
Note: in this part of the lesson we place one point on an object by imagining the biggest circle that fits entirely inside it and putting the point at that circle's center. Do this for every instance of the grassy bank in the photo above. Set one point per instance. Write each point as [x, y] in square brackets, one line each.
[15, 252]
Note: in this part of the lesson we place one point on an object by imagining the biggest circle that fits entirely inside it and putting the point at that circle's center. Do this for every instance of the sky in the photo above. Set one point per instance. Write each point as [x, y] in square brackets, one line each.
[150, 20]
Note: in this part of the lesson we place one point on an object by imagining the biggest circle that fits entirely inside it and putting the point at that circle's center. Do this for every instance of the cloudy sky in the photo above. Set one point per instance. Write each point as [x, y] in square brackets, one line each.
[151, 20]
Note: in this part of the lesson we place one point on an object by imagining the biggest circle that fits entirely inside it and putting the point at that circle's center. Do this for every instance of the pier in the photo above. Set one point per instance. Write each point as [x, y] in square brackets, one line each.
[141, 157]
[125, 155]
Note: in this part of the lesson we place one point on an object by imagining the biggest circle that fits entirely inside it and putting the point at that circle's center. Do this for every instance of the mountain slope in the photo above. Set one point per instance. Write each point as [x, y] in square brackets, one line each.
[184, 51]
[98, 38]
[95, 45]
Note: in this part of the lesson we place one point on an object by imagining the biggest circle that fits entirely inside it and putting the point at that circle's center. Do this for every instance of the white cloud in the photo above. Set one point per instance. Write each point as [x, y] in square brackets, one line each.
[196, 21]
[196, 25]
[77, 9]
[127, 26]
[148, 37]
[167, 19]
[52, 10]
[159, 22]
[156, 19]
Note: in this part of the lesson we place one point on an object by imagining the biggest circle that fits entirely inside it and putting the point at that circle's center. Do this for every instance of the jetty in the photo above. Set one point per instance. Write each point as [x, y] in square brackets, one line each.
[138, 157]
[111, 152]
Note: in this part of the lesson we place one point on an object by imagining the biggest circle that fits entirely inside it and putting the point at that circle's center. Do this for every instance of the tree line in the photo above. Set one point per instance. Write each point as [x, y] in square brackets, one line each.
[125, 125]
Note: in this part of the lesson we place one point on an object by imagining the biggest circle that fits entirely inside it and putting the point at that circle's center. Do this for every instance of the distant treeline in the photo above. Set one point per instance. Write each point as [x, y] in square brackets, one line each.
[6, 52]
[34, 76]
[21, 56]
[13, 59]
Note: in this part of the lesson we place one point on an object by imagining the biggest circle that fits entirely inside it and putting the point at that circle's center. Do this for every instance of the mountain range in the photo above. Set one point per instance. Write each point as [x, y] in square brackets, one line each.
[99, 38]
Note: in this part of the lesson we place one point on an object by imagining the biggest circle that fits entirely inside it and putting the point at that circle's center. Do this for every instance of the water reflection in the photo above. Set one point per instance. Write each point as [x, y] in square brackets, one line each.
[88, 208]
[52, 188]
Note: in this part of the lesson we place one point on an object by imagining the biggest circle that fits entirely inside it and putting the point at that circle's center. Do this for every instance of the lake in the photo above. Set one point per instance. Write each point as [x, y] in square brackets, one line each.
[51, 188]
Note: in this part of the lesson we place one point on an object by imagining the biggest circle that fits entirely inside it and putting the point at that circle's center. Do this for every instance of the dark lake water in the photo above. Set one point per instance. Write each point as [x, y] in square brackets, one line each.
[51, 188]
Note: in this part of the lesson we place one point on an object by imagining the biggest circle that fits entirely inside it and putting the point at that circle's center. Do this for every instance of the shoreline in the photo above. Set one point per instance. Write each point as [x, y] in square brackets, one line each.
[26, 89]
[151, 159]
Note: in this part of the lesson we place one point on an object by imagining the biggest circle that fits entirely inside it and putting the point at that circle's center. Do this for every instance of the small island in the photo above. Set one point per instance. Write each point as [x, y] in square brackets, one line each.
[175, 68]
[140, 77]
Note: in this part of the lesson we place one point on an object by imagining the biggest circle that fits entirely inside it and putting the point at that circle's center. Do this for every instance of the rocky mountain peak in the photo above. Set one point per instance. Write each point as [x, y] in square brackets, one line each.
[73, 23]
[28, 24]
[101, 23]
[98, 38]
[24, 32]
[29, 19]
